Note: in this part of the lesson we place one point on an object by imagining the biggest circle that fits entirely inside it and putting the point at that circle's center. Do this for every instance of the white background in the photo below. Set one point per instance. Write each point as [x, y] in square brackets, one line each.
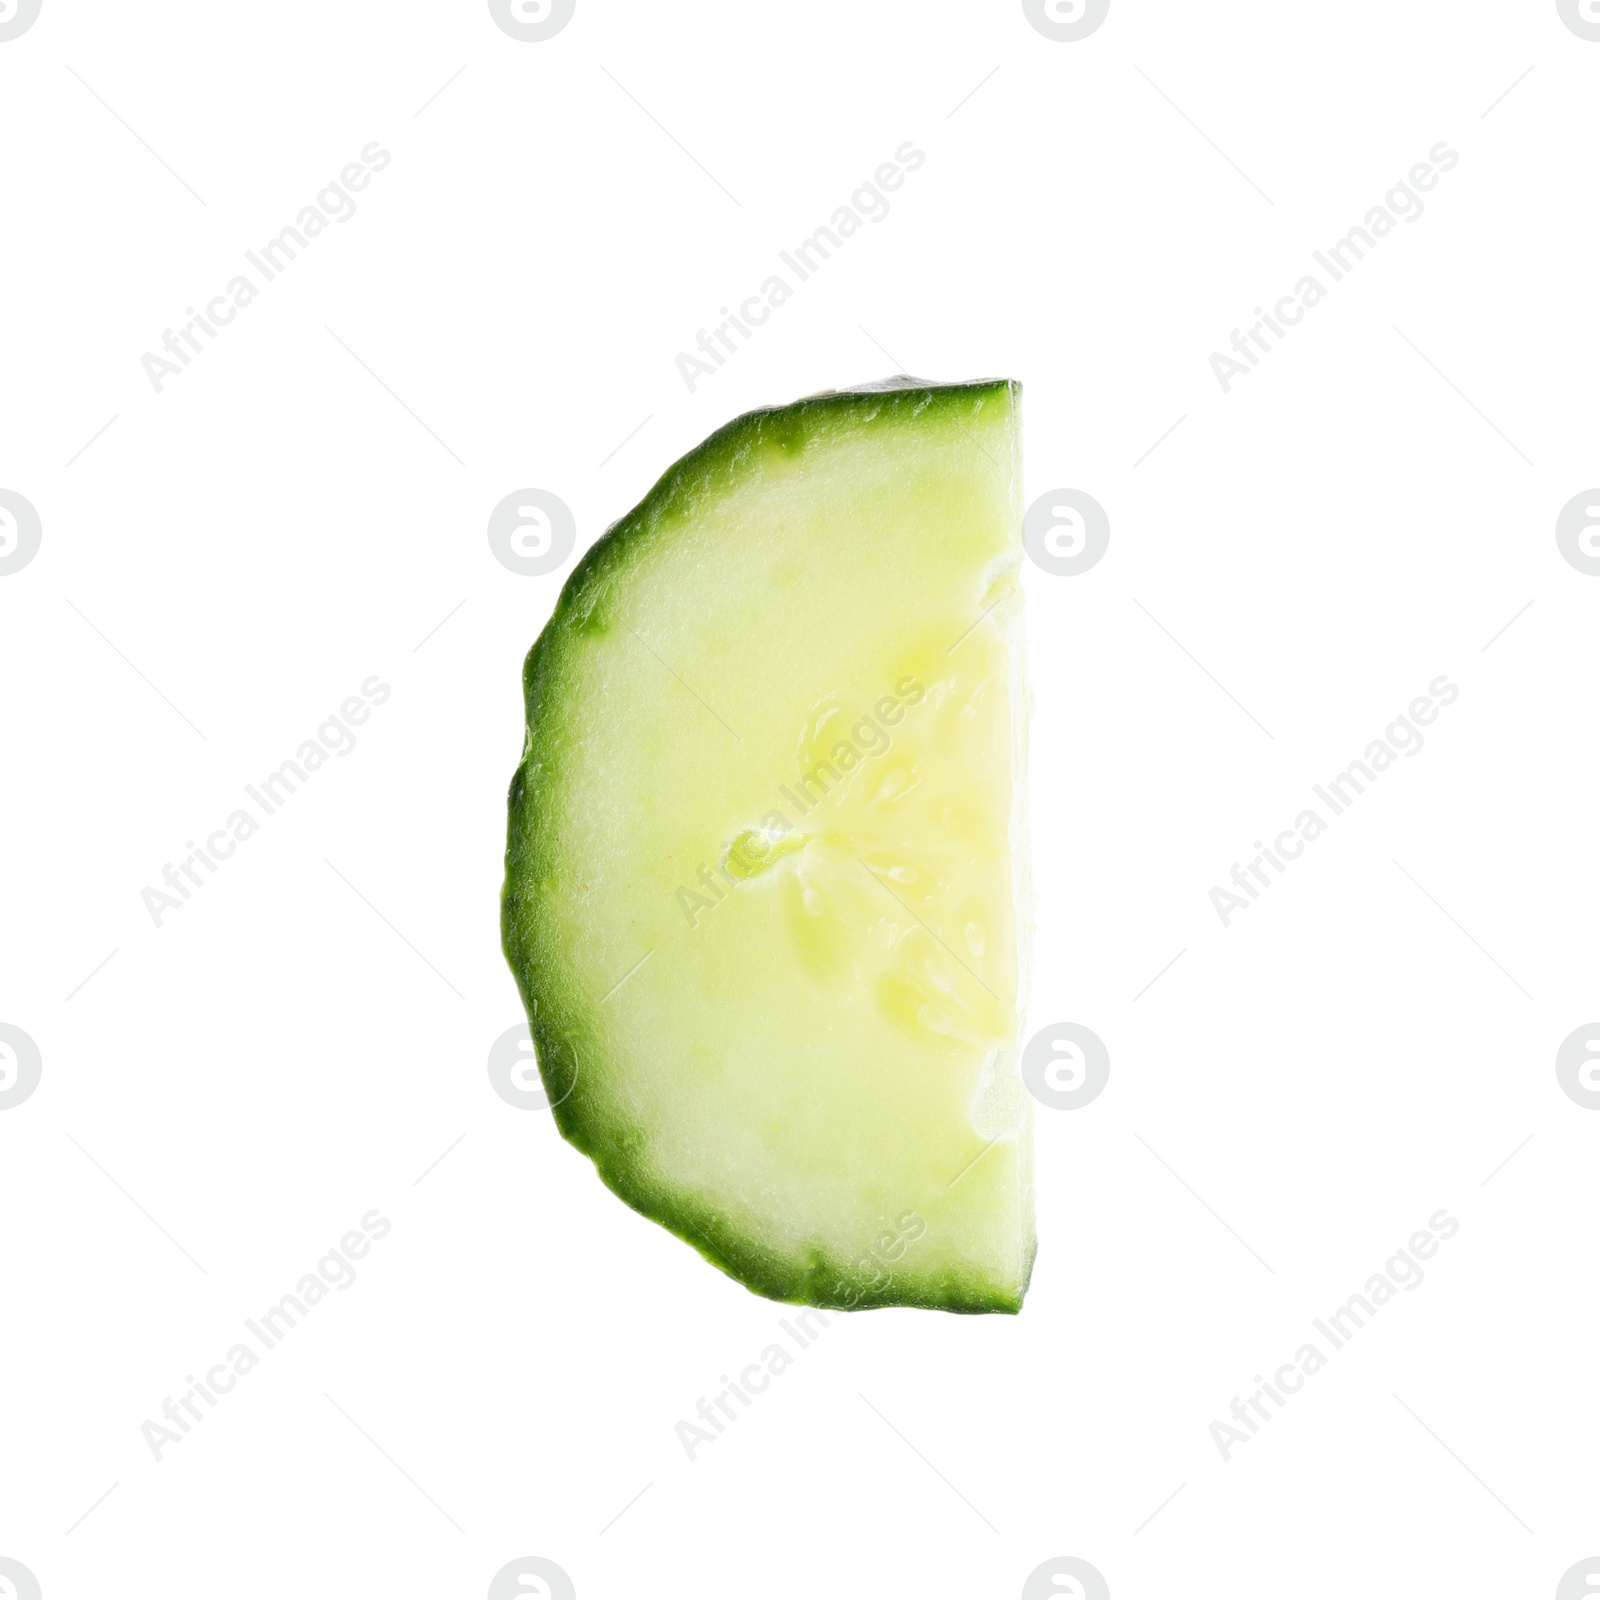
[1364, 1046]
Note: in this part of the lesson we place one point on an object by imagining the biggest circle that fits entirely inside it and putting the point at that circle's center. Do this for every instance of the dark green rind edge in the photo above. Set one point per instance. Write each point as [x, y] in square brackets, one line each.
[821, 1283]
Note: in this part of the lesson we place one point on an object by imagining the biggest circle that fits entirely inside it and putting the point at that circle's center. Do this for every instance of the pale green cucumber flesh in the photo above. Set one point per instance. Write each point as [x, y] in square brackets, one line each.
[764, 890]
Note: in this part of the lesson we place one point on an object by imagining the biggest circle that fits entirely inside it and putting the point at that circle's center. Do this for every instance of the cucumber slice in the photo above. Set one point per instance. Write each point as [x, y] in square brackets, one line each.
[764, 878]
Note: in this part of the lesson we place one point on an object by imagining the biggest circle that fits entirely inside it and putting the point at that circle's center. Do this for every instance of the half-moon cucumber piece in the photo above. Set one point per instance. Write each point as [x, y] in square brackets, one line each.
[765, 880]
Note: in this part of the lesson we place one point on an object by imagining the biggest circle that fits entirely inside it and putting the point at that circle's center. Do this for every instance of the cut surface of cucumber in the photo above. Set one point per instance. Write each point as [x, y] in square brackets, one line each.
[765, 891]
